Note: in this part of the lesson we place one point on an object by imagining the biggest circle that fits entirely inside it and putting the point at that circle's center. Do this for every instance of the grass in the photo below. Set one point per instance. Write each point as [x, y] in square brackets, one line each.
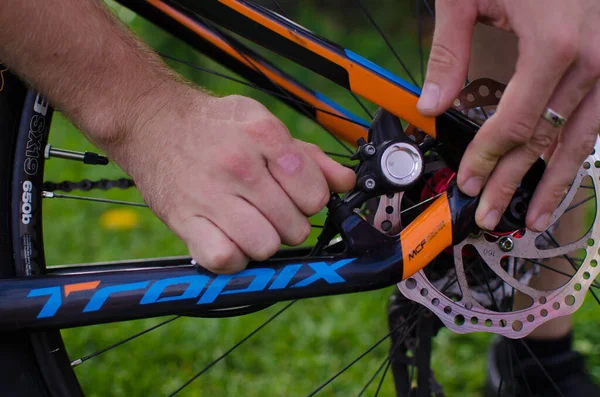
[298, 351]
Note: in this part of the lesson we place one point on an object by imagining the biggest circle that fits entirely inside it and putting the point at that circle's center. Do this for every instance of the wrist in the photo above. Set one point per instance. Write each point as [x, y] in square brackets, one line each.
[108, 119]
[143, 121]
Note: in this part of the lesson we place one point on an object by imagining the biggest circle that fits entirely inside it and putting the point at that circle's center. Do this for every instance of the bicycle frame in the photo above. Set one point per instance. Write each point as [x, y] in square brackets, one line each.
[92, 294]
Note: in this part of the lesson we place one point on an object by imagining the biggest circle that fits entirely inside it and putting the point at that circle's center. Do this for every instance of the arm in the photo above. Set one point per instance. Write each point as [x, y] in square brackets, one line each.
[88, 65]
[222, 173]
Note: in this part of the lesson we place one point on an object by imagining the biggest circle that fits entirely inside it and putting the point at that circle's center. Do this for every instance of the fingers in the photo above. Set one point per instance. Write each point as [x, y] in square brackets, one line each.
[210, 247]
[300, 178]
[308, 175]
[275, 205]
[517, 116]
[507, 175]
[339, 178]
[245, 226]
[228, 233]
[575, 143]
[285, 203]
[510, 170]
[449, 57]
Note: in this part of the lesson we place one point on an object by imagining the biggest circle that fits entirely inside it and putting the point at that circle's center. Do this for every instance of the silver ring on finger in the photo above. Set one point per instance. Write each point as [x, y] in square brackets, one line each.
[554, 118]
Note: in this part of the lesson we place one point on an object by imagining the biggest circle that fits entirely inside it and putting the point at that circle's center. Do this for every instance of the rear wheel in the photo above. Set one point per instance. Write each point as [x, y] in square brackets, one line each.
[32, 364]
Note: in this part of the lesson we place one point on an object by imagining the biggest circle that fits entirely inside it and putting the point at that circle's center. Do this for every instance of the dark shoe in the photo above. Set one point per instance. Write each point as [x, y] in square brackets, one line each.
[527, 378]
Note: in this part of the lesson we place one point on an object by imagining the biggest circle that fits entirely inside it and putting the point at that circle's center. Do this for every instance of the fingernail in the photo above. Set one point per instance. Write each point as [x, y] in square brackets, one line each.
[541, 222]
[491, 220]
[472, 186]
[430, 97]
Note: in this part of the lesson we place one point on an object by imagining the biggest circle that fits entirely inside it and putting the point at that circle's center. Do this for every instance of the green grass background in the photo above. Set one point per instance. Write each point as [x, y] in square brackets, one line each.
[308, 343]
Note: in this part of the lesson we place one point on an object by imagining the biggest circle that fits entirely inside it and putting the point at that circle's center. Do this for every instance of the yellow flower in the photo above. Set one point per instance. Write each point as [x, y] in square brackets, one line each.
[120, 219]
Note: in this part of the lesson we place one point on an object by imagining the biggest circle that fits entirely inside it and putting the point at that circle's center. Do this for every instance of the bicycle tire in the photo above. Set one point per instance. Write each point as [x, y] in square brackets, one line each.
[31, 364]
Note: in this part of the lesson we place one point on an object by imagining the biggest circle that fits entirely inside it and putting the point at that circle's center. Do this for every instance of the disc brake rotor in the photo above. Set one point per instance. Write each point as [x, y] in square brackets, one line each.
[487, 268]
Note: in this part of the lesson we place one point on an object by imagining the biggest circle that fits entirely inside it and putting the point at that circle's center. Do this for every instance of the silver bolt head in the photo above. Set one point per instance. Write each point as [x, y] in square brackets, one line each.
[506, 244]
[370, 183]
[370, 150]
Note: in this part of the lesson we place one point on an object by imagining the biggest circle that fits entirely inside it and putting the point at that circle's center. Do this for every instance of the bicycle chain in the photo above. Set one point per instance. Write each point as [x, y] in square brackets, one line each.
[86, 185]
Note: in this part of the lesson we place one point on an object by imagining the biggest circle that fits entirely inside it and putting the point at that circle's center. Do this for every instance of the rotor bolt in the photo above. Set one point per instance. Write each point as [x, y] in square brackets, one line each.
[369, 149]
[370, 184]
[476, 234]
[506, 244]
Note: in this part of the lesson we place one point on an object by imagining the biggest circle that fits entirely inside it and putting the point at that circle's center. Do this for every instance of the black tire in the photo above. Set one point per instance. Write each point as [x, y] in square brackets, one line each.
[31, 364]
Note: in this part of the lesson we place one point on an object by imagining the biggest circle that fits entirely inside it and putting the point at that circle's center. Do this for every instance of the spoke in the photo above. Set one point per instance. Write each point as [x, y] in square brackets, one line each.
[361, 104]
[369, 350]
[420, 204]
[541, 367]
[356, 98]
[570, 261]
[256, 87]
[317, 226]
[549, 267]
[431, 12]
[514, 352]
[385, 371]
[486, 283]
[346, 156]
[412, 361]
[280, 8]
[578, 204]
[387, 42]
[122, 342]
[231, 349]
[417, 311]
[594, 284]
[403, 359]
[94, 199]
[384, 363]
[420, 40]
[284, 92]
[485, 113]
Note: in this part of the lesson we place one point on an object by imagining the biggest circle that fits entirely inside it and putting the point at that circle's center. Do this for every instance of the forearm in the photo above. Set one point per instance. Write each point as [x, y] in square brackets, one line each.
[86, 63]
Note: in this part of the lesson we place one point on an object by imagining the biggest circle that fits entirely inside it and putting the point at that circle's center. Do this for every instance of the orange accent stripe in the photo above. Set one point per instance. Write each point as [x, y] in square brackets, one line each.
[80, 287]
[364, 82]
[426, 237]
[342, 128]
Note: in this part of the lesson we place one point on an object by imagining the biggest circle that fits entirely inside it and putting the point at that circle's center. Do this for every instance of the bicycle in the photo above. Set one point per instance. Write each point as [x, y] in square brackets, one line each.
[38, 300]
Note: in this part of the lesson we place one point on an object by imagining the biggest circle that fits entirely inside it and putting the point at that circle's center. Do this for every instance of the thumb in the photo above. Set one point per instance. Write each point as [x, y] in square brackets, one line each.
[449, 57]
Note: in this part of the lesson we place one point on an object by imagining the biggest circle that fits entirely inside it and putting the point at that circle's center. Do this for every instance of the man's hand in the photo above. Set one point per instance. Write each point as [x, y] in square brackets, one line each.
[226, 176]
[558, 67]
